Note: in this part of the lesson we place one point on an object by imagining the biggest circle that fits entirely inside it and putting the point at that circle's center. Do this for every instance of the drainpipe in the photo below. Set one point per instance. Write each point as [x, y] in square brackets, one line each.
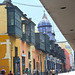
[41, 62]
[11, 51]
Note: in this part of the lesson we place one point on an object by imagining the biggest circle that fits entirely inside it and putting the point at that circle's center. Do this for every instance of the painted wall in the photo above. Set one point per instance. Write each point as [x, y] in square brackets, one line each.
[3, 19]
[68, 49]
[23, 47]
[5, 52]
[31, 49]
[43, 58]
[62, 45]
[67, 63]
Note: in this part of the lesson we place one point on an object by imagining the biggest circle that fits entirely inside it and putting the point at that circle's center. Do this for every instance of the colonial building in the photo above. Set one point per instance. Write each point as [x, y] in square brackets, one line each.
[67, 61]
[54, 54]
[21, 48]
[28, 45]
[69, 50]
[10, 31]
[17, 38]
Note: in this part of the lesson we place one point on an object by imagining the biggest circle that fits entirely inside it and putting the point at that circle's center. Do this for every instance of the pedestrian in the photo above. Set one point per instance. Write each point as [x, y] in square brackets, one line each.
[34, 72]
[3, 72]
[26, 71]
[47, 72]
[56, 71]
[38, 72]
[53, 72]
[0, 72]
[29, 71]
[10, 73]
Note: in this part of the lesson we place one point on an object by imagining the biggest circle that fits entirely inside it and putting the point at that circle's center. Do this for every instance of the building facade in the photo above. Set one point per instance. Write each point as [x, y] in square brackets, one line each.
[21, 48]
[67, 62]
[69, 50]
[45, 27]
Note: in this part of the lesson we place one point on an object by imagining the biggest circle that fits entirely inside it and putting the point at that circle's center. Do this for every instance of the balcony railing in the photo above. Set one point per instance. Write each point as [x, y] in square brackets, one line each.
[40, 42]
[28, 34]
[14, 21]
[47, 43]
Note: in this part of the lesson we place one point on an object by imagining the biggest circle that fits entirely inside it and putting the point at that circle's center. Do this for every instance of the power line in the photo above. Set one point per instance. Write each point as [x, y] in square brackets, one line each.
[28, 5]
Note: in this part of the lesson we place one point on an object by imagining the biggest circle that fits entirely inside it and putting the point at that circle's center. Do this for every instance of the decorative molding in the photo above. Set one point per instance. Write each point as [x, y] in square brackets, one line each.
[7, 55]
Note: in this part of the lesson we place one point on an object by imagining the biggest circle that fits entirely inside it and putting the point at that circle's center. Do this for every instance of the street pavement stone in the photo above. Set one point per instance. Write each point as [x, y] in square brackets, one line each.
[68, 73]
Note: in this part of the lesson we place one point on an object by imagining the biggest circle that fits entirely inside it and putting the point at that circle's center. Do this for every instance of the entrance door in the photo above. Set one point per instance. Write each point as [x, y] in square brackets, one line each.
[44, 66]
[37, 65]
[16, 65]
[23, 65]
[34, 63]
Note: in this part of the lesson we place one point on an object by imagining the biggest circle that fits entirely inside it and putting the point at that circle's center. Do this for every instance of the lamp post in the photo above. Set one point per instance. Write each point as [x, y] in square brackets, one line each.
[41, 62]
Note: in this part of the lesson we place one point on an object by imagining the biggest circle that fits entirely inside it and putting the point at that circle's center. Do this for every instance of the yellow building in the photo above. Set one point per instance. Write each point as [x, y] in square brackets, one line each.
[5, 52]
[12, 36]
[10, 31]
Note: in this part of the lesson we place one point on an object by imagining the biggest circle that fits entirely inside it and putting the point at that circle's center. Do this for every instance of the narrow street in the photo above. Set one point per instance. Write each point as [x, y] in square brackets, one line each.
[68, 73]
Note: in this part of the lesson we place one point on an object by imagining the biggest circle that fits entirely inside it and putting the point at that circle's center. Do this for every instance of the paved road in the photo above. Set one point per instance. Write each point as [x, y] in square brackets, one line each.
[68, 73]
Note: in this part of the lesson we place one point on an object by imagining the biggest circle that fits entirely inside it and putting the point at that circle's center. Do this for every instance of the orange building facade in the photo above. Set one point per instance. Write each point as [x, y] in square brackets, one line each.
[67, 61]
[23, 56]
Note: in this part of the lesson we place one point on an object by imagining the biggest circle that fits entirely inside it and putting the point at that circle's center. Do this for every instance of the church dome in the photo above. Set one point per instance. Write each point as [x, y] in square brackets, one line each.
[44, 22]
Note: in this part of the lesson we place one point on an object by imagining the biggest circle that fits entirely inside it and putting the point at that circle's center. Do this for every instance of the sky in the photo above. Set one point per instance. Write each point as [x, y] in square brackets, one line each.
[36, 14]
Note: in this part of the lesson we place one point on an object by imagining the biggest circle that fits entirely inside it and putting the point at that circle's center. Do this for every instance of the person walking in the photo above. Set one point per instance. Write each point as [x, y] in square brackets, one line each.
[0, 72]
[34, 72]
[26, 71]
[29, 71]
[53, 72]
[38, 72]
[47, 72]
[10, 73]
[3, 72]
[56, 71]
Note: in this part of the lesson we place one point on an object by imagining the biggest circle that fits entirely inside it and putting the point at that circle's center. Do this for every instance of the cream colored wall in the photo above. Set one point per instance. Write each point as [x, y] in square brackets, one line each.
[31, 48]
[3, 19]
[62, 45]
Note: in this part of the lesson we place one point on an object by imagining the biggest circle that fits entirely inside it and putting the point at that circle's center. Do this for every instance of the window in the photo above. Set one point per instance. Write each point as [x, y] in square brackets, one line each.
[22, 51]
[16, 51]
[50, 47]
[44, 31]
[11, 18]
[17, 19]
[23, 65]
[34, 63]
[38, 58]
[23, 28]
[28, 55]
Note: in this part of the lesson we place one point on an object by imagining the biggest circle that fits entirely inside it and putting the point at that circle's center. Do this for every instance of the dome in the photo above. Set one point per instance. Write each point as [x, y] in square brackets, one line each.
[44, 22]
